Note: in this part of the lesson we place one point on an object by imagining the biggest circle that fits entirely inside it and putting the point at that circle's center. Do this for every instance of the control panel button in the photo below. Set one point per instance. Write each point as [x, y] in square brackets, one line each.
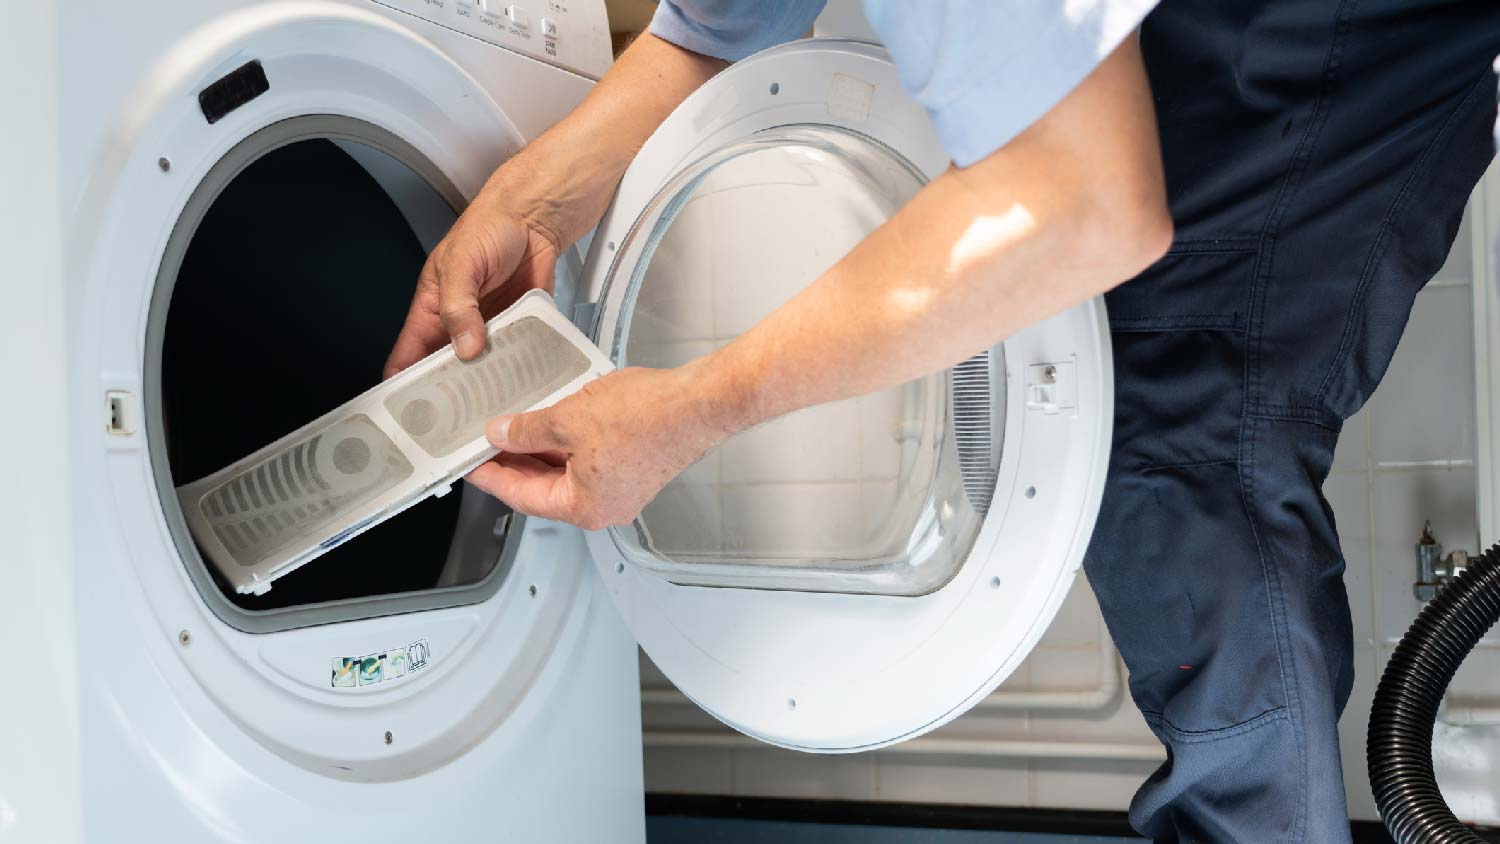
[490, 7]
[549, 27]
[517, 15]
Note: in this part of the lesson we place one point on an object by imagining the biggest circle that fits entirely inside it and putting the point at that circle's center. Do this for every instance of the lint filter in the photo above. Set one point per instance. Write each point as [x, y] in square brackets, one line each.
[411, 437]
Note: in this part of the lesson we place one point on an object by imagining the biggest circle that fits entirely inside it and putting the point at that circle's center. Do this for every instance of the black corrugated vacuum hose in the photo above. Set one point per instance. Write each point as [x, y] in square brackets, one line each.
[1399, 746]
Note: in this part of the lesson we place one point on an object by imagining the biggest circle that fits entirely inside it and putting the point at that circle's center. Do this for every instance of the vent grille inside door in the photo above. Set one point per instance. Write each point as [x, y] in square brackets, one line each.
[973, 429]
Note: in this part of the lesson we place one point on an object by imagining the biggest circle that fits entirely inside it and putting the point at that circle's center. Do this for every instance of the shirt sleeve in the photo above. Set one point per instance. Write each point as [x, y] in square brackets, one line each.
[733, 29]
[986, 69]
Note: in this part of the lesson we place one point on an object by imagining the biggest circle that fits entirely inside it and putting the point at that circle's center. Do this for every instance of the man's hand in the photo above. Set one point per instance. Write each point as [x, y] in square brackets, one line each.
[542, 200]
[489, 258]
[596, 458]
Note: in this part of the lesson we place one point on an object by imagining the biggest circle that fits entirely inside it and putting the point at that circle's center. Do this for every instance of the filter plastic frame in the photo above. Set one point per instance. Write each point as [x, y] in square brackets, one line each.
[398, 464]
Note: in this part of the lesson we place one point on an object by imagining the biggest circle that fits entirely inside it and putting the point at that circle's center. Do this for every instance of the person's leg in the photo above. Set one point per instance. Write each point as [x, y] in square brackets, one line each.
[1318, 158]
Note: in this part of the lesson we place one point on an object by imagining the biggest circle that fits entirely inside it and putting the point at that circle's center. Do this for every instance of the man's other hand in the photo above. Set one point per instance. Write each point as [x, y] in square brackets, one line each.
[542, 200]
[487, 260]
[598, 457]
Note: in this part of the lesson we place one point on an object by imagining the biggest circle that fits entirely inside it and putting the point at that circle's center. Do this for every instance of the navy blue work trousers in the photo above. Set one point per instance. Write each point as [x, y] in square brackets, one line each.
[1318, 157]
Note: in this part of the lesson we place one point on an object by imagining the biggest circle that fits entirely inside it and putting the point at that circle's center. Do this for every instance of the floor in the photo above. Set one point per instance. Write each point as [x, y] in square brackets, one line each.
[683, 830]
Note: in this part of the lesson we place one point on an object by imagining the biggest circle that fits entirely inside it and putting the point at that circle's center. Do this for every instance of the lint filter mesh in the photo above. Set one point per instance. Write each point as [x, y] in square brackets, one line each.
[394, 445]
[528, 361]
[294, 494]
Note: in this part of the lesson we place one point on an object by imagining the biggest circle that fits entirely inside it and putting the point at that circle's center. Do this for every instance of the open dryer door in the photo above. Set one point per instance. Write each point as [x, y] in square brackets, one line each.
[860, 572]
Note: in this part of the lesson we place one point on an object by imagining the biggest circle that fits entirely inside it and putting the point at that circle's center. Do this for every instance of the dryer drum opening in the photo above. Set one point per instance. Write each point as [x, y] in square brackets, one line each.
[288, 277]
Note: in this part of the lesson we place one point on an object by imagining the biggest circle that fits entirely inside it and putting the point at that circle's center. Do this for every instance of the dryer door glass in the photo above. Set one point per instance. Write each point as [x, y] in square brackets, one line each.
[881, 494]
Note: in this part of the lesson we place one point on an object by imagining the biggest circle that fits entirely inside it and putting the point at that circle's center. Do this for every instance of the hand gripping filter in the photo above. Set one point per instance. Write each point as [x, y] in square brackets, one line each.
[394, 445]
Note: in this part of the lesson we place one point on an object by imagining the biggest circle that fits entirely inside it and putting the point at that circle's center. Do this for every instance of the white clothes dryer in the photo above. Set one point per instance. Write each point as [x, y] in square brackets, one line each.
[249, 189]
[241, 181]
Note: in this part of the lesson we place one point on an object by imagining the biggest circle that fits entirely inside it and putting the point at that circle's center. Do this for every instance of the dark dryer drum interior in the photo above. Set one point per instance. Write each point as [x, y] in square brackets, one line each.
[289, 295]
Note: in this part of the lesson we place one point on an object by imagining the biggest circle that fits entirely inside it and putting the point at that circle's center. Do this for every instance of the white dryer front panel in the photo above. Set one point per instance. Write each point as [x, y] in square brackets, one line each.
[449, 710]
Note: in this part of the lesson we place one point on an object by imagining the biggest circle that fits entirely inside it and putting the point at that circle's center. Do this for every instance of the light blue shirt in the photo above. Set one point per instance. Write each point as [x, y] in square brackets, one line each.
[984, 69]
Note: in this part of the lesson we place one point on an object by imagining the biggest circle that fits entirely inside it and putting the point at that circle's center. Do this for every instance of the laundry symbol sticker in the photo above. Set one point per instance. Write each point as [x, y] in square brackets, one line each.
[344, 671]
[395, 664]
[392, 664]
[369, 669]
[419, 653]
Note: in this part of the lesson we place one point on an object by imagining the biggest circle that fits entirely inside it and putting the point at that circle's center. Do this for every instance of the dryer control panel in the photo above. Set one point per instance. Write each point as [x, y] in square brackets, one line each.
[571, 34]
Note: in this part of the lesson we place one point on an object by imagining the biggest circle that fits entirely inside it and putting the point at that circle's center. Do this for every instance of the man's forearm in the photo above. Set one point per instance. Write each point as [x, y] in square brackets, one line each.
[1069, 209]
[562, 181]
[1072, 207]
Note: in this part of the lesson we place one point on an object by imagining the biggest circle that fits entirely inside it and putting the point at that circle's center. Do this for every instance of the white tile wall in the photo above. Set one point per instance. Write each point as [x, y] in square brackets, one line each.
[771, 772]
[1424, 409]
[677, 771]
[1465, 761]
[1367, 665]
[953, 779]
[1348, 493]
[1087, 783]
[1407, 457]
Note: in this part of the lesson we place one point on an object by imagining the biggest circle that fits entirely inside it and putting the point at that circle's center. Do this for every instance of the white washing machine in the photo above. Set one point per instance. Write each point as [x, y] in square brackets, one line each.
[248, 191]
